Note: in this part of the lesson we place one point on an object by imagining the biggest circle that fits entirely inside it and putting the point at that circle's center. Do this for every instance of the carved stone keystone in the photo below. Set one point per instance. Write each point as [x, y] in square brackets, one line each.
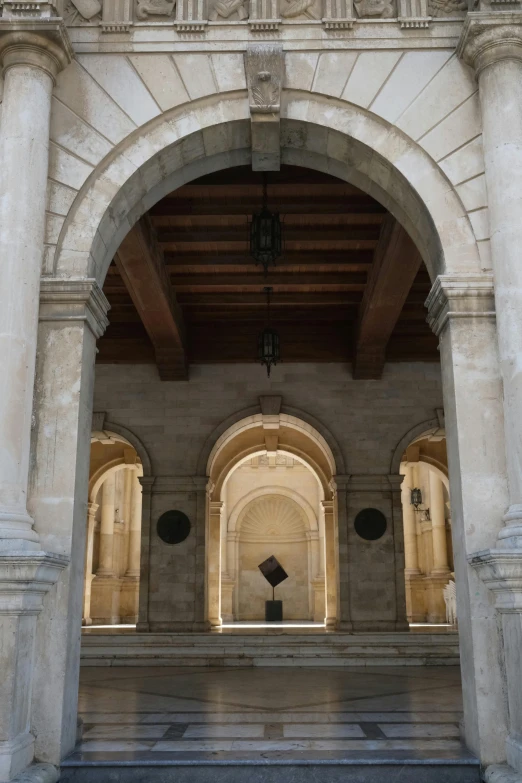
[264, 65]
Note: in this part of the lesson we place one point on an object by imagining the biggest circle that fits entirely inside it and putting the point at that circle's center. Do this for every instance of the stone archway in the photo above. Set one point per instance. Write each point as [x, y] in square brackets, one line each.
[208, 135]
[274, 432]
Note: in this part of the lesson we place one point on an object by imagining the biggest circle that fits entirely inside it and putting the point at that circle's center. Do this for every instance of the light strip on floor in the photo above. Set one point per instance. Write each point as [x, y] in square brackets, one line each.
[431, 625]
[126, 625]
[239, 626]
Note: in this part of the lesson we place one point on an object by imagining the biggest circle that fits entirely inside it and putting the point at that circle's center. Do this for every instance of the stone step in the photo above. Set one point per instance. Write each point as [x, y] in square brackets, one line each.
[374, 768]
[196, 649]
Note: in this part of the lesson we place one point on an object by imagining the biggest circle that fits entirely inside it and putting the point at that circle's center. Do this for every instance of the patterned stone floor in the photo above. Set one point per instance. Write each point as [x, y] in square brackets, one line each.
[165, 713]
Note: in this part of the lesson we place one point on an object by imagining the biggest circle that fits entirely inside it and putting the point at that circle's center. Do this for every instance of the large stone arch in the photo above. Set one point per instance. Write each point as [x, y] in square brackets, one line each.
[214, 133]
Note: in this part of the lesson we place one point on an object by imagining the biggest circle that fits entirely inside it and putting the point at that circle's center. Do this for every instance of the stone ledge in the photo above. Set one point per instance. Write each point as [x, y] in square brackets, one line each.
[25, 577]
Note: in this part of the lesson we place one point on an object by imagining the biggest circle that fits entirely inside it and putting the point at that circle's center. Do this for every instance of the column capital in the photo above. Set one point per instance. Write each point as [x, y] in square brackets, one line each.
[25, 577]
[38, 42]
[460, 296]
[488, 38]
[501, 572]
[74, 300]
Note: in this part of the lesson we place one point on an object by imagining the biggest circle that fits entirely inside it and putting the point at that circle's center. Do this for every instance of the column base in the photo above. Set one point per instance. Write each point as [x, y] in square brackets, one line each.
[501, 773]
[105, 600]
[514, 753]
[129, 598]
[15, 755]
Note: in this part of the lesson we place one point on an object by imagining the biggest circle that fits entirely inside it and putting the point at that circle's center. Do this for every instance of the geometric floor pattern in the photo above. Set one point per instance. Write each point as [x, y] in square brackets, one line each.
[161, 713]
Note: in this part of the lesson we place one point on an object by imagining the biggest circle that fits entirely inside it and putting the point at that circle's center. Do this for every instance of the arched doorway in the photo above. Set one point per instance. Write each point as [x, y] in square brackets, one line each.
[266, 511]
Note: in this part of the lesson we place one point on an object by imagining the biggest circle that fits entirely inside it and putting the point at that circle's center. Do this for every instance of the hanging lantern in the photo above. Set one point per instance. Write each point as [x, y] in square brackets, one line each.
[265, 234]
[268, 341]
[416, 498]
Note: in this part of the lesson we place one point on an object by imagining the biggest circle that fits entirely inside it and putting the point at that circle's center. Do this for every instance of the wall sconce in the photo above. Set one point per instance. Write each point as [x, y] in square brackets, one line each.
[416, 498]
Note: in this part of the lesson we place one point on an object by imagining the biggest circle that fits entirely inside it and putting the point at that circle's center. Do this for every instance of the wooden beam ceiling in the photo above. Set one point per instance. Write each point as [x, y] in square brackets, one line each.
[140, 263]
[209, 289]
[395, 267]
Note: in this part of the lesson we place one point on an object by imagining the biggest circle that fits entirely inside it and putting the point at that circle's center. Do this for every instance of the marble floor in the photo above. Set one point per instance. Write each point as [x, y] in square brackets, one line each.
[163, 713]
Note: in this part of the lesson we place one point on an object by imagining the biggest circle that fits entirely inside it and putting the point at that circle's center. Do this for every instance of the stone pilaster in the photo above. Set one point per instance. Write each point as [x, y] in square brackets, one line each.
[72, 317]
[215, 508]
[92, 508]
[147, 484]
[401, 620]
[461, 312]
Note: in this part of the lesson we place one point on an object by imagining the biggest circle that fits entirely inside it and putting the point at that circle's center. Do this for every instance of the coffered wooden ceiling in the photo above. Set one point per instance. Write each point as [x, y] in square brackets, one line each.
[350, 285]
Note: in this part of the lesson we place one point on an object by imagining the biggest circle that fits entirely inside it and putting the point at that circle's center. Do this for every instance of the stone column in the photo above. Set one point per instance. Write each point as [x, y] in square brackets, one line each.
[30, 63]
[492, 45]
[330, 566]
[72, 316]
[438, 525]
[461, 313]
[105, 565]
[147, 484]
[411, 554]
[133, 566]
[401, 620]
[129, 603]
[214, 563]
[92, 508]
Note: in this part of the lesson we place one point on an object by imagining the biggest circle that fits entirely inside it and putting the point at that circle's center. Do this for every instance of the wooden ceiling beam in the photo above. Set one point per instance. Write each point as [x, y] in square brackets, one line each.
[141, 265]
[396, 264]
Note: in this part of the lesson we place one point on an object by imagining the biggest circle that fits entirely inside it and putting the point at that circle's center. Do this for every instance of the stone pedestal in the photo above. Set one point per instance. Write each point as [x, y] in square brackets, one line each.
[129, 599]
[105, 600]
[25, 578]
[318, 600]
[435, 604]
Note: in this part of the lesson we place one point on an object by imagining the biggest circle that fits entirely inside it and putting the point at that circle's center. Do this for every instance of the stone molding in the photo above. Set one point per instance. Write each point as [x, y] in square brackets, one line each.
[369, 483]
[74, 300]
[488, 38]
[501, 572]
[37, 43]
[264, 68]
[460, 296]
[25, 577]
[166, 485]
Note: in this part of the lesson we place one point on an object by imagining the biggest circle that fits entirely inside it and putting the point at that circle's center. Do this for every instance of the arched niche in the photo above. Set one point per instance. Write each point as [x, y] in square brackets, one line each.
[244, 439]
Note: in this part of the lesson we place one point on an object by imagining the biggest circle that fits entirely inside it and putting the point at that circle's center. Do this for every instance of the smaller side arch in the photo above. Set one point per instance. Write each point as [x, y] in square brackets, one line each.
[133, 440]
[424, 427]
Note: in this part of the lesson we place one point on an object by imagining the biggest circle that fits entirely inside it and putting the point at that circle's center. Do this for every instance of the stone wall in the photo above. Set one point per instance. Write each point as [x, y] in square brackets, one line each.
[175, 420]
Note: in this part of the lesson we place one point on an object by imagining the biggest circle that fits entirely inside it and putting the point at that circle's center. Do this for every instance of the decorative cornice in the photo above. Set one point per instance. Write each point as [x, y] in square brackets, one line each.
[460, 296]
[488, 38]
[74, 300]
[501, 572]
[25, 577]
[40, 43]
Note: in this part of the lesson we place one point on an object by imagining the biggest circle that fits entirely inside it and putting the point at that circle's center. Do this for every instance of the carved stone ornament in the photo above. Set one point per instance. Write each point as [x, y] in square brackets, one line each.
[264, 65]
[413, 14]
[374, 8]
[304, 9]
[232, 10]
[82, 11]
[146, 8]
[191, 16]
[116, 16]
[264, 15]
[438, 8]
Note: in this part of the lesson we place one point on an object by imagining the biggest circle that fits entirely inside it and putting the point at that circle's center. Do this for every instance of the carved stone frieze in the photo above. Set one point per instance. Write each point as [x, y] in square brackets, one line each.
[191, 16]
[301, 9]
[231, 10]
[82, 11]
[147, 8]
[438, 8]
[264, 15]
[372, 9]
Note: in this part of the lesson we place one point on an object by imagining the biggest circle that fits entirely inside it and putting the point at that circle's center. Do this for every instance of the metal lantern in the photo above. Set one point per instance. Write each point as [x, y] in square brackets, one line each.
[268, 341]
[416, 498]
[265, 234]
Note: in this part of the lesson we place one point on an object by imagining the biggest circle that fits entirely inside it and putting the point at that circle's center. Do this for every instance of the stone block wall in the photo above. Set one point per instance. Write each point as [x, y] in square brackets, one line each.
[174, 420]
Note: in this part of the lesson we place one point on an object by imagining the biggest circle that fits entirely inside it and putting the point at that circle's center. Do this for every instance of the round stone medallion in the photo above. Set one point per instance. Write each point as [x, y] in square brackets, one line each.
[370, 524]
[173, 527]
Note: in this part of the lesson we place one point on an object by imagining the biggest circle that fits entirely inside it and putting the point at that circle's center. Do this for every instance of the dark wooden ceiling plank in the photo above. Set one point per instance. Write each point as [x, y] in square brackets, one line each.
[140, 263]
[396, 264]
